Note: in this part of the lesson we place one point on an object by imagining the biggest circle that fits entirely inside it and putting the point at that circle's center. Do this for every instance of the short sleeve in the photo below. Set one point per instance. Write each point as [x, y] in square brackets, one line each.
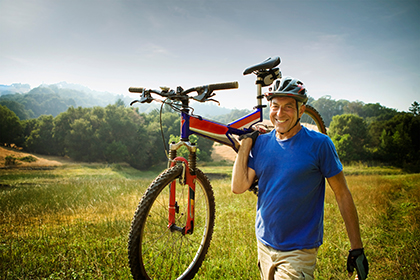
[330, 163]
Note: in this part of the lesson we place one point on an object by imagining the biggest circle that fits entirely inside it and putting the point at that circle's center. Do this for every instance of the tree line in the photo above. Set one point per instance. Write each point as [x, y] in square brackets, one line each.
[371, 132]
[100, 134]
[360, 132]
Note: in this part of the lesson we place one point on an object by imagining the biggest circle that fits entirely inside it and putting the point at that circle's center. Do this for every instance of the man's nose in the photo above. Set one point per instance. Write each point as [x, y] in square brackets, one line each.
[280, 110]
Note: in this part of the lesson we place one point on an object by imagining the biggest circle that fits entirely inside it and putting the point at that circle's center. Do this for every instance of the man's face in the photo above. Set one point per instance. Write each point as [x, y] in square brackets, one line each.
[283, 115]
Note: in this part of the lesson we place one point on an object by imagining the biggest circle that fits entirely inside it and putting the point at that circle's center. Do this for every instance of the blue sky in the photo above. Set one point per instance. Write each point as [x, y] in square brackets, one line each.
[355, 50]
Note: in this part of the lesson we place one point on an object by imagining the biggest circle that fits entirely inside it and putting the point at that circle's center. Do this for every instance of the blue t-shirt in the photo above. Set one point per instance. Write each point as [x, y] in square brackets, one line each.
[292, 172]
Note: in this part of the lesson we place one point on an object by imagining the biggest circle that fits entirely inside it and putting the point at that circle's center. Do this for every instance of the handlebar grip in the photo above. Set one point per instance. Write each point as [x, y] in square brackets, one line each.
[221, 86]
[136, 89]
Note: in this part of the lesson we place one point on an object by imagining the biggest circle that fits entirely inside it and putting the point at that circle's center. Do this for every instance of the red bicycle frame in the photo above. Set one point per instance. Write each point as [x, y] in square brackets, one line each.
[215, 131]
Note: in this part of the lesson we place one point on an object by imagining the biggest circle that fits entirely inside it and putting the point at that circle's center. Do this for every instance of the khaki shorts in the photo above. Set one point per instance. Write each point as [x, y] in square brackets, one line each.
[276, 265]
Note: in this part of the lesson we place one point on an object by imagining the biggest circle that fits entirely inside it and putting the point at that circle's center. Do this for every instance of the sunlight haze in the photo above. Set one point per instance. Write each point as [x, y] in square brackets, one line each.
[353, 50]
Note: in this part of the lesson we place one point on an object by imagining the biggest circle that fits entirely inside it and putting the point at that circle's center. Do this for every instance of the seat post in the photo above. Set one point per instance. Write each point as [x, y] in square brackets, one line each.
[259, 95]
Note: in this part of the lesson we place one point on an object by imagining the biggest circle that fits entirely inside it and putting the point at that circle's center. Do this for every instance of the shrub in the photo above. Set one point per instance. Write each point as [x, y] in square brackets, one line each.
[10, 160]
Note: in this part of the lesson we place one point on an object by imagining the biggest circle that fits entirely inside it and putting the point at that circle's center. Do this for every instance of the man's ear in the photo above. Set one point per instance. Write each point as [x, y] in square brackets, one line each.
[302, 110]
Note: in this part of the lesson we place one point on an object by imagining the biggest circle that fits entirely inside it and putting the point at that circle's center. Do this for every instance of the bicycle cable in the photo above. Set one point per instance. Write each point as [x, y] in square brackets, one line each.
[161, 129]
[176, 109]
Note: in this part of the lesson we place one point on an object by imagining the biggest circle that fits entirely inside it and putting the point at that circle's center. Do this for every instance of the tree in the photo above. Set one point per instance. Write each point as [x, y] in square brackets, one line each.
[349, 134]
[62, 126]
[120, 102]
[17, 108]
[400, 140]
[11, 129]
[41, 138]
[355, 107]
[120, 134]
[376, 112]
[345, 147]
[116, 152]
[328, 108]
[415, 108]
[79, 140]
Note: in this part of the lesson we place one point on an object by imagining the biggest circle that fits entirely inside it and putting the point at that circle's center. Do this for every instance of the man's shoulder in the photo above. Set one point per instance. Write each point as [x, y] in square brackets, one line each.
[268, 135]
[263, 140]
[315, 134]
[315, 139]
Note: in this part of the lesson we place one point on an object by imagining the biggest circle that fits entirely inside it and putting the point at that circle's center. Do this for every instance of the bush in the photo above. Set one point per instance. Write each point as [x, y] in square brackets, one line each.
[349, 134]
[28, 159]
[10, 160]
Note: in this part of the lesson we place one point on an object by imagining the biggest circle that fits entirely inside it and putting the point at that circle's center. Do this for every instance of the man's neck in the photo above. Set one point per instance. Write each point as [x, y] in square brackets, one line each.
[289, 134]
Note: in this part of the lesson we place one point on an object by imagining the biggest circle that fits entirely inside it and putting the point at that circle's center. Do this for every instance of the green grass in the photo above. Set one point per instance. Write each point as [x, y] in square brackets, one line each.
[72, 222]
[375, 169]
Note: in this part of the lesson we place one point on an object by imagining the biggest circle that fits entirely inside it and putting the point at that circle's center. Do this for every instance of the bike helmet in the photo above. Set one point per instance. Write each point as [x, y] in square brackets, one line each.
[288, 87]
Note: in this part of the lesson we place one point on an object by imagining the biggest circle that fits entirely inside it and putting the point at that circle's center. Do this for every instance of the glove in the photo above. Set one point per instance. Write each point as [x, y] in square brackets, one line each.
[253, 135]
[357, 260]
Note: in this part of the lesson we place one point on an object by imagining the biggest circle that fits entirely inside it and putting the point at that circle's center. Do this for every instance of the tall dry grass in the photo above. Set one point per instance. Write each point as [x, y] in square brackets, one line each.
[73, 222]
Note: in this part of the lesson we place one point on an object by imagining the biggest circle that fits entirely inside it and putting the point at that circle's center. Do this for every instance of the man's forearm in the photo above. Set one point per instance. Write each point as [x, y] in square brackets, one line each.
[351, 220]
[347, 209]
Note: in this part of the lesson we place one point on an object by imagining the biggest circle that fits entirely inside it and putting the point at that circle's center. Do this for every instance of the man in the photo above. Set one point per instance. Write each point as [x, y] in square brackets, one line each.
[291, 164]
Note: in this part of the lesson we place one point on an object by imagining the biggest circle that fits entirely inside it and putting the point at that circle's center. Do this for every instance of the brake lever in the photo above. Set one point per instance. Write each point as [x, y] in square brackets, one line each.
[134, 101]
[204, 95]
[200, 97]
[145, 98]
[214, 100]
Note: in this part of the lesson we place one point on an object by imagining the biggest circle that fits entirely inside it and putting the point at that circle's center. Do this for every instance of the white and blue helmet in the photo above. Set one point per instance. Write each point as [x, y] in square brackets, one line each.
[288, 87]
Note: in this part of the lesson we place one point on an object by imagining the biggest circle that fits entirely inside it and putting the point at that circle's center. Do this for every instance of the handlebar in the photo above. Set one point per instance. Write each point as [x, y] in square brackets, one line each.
[203, 92]
[265, 71]
[222, 86]
[136, 89]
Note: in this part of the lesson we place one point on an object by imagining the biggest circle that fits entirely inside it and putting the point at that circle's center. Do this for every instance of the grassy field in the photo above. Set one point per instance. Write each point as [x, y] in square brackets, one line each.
[72, 222]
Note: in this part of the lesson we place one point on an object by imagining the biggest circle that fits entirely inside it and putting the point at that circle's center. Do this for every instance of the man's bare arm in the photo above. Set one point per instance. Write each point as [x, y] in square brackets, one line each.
[347, 208]
[242, 175]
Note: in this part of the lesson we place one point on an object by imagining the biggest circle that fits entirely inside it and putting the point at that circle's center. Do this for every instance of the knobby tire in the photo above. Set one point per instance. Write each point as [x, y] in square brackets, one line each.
[315, 118]
[155, 252]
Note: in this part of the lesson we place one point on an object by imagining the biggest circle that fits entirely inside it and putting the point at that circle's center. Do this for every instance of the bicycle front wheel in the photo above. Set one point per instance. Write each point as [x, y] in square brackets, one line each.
[156, 252]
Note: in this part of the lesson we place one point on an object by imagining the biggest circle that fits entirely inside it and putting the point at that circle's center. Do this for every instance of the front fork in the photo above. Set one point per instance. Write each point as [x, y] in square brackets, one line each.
[188, 177]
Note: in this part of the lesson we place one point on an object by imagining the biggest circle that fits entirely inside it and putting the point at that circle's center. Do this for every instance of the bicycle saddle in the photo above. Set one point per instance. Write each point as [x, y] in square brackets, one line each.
[269, 63]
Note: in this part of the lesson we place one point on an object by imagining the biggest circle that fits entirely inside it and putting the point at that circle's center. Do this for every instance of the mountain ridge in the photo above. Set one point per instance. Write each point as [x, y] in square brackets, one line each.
[56, 98]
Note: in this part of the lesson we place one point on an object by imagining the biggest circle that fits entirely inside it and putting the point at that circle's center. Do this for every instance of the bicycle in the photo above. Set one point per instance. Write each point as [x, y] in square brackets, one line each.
[173, 225]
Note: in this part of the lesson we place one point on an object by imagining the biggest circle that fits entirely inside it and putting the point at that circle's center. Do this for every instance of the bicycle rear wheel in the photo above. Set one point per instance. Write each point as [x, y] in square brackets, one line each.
[312, 119]
[156, 252]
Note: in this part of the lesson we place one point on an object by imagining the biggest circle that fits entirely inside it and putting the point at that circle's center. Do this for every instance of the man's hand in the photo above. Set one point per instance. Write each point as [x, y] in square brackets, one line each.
[253, 135]
[357, 260]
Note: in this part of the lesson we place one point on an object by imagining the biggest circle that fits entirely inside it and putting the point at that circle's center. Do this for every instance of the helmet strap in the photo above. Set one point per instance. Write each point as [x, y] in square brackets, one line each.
[291, 127]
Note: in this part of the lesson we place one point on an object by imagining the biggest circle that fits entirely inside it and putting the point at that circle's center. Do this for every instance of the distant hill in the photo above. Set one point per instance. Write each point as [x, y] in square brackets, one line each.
[14, 88]
[56, 98]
